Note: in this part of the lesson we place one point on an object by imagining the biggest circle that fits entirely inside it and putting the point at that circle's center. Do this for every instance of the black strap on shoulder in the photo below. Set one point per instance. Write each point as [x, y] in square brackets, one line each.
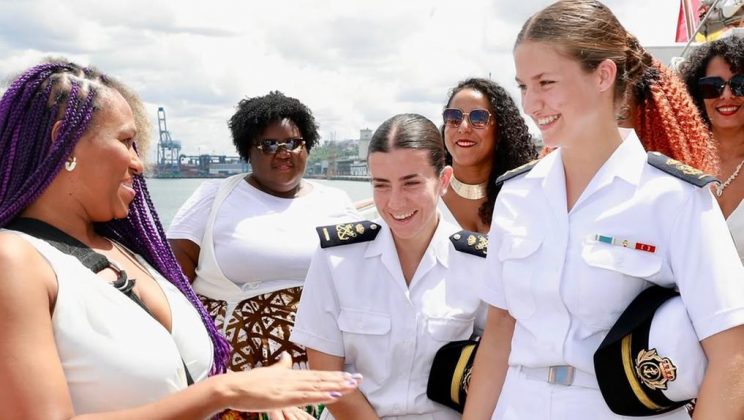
[92, 260]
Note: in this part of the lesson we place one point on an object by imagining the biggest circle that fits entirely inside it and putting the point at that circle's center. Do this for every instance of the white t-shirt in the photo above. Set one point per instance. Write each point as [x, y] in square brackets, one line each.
[357, 305]
[262, 243]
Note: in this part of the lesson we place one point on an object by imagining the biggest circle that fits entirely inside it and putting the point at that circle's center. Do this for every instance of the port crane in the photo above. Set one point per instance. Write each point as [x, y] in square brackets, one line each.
[169, 150]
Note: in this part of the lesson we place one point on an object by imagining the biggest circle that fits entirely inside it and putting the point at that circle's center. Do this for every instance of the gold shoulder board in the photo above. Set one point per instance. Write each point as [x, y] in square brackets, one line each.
[516, 172]
[473, 243]
[680, 170]
[347, 233]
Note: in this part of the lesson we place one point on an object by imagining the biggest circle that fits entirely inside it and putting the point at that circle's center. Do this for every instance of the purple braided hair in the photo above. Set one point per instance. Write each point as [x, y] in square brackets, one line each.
[28, 110]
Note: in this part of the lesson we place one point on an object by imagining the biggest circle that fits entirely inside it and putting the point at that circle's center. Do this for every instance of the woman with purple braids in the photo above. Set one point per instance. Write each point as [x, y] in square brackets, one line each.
[78, 224]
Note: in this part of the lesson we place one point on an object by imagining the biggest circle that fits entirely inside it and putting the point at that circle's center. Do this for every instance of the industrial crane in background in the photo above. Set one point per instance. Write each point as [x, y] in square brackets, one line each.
[172, 164]
[169, 150]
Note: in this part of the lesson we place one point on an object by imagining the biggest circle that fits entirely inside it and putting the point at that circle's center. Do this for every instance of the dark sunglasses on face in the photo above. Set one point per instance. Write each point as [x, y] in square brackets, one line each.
[271, 146]
[478, 118]
[713, 86]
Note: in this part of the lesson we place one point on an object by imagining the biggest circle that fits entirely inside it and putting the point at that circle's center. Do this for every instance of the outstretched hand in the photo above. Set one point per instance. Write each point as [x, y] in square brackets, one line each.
[279, 386]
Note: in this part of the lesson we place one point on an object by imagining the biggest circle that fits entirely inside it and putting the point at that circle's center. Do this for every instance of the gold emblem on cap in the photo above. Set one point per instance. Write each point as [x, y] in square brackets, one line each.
[466, 379]
[653, 370]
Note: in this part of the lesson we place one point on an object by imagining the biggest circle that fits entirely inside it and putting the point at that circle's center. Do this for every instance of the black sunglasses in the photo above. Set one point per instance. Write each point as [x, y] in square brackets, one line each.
[271, 146]
[478, 118]
[713, 86]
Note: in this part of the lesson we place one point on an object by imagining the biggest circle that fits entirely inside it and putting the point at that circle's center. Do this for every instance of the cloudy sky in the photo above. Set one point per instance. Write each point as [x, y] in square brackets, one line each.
[354, 63]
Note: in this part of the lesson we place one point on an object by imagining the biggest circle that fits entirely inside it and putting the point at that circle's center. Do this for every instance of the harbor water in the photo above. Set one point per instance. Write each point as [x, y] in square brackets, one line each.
[168, 194]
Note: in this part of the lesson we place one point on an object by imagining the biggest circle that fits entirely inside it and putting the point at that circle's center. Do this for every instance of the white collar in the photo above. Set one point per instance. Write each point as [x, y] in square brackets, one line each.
[438, 248]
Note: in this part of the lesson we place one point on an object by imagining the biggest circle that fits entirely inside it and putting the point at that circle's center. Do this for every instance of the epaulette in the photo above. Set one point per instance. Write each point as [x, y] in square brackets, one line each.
[470, 242]
[680, 170]
[516, 171]
[347, 233]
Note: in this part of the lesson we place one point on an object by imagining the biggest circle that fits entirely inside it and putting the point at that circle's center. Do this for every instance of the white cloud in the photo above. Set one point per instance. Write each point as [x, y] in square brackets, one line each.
[353, 63]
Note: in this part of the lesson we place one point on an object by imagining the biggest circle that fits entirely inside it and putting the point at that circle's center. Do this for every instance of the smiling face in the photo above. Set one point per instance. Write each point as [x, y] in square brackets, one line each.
[406, 189]
[725, 111]
[279, 173]
[470, 146]
[561, 97]
[106, 161]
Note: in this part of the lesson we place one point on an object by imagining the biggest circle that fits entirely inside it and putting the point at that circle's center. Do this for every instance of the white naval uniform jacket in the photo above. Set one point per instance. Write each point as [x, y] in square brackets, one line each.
[566, 289]
[356, 305]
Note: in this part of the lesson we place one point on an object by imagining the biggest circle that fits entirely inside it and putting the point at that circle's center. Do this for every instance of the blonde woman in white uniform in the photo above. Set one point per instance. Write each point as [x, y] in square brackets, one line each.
[382, 297]
[558, 275]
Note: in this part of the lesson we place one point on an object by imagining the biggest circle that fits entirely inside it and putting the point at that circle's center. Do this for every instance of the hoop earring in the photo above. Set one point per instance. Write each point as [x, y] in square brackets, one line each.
[71, 164]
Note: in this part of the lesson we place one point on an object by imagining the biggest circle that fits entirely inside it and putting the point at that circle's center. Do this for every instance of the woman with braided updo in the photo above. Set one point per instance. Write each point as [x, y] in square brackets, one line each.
[584, 238]
[95, 313]
[664, 117]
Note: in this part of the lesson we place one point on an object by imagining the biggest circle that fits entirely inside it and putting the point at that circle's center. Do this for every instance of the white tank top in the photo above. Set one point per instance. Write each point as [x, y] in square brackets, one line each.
[114, 354]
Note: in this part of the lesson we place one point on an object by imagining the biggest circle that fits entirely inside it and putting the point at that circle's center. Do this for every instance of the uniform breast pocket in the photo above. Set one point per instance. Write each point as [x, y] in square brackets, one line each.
[615, 276]
[366, 340]
[518, 256]
[450, 329]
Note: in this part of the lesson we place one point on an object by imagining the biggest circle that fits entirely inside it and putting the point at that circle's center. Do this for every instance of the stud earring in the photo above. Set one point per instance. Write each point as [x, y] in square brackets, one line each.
[71, 164]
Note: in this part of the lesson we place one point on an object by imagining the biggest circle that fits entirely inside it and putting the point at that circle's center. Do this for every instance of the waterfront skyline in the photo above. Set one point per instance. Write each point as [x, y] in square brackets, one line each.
[353, 63]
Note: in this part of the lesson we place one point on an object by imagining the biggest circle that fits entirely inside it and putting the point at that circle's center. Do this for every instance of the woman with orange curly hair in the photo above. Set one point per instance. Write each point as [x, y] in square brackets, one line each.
[666, 119]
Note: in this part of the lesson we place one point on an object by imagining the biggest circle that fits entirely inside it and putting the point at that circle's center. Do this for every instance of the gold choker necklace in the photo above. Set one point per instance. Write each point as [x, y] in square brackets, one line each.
[468, 191]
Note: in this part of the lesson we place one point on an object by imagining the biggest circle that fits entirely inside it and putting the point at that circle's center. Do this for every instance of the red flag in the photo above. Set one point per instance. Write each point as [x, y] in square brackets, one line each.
[688, 19]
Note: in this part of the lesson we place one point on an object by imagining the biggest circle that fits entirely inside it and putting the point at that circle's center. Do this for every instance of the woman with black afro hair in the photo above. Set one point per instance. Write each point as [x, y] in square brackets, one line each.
[246, 242]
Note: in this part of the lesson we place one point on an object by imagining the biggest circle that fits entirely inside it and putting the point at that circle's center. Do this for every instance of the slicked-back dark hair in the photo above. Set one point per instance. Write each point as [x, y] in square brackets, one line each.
[253, 115]
[409, 131]
[66, 92]
[513, 145]
[731, 49]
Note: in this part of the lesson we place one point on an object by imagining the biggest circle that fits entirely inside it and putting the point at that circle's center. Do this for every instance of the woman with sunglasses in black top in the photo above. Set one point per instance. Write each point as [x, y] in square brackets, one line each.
[714, 74]
[246, 242]
[485, 136]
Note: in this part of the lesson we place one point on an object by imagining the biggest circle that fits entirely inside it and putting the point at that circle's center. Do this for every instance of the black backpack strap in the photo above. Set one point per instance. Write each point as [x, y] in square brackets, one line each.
[92, 260]
[62, 241]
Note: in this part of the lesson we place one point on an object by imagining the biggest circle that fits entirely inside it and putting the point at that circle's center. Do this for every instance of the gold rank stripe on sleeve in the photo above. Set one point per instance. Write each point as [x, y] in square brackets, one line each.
[473, 243]
[680, 170]
[347, 233]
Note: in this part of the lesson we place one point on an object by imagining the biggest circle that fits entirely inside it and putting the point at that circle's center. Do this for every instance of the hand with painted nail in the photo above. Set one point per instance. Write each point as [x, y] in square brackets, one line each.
[279, 386]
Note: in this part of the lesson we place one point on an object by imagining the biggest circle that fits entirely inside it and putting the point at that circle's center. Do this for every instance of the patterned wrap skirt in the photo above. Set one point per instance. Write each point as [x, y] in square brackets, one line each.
[258, 331]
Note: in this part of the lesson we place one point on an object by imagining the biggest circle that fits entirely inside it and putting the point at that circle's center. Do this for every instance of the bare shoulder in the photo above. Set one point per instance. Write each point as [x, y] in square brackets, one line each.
[24, 273]
[31, 375]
